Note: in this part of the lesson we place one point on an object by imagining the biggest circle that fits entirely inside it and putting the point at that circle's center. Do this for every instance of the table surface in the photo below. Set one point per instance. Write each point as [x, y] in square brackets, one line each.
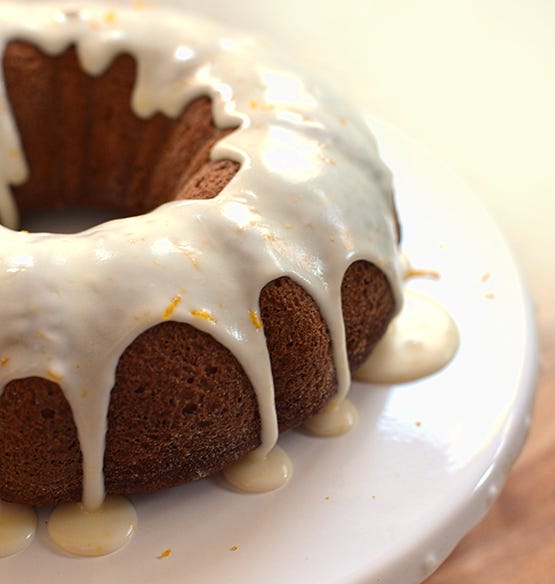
[474, 83]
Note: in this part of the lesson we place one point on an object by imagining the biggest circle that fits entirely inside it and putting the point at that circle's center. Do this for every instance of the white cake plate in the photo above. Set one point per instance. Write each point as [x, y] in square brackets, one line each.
[387, 502]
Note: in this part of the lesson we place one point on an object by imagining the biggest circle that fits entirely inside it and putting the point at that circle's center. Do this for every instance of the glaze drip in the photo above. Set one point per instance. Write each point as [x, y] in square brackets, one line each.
[103, 531]
[421, 340]
[18, 524]
[258, 474]
[310, 190]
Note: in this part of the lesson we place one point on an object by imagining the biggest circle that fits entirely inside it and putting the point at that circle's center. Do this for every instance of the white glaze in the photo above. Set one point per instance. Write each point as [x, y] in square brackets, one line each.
[70, 304]
[338, 417]
[421, 340]
[18, 524]
[257, 473]
[93, 533]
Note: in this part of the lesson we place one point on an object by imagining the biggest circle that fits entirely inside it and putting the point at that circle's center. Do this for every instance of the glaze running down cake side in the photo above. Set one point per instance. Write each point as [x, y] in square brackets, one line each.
[206, 305]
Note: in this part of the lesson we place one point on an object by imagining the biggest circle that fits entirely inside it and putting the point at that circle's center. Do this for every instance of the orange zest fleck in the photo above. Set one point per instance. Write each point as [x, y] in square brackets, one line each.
[255, 105]
[233, 548]
[165, 554]
[171, 307]
[53, 376]
[4, 361]
[255, 319]
[204, 314]
[189, 253]
[422, 273]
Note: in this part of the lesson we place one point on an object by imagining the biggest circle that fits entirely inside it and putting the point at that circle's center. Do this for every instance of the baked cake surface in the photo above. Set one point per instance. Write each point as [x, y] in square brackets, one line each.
[257, 266]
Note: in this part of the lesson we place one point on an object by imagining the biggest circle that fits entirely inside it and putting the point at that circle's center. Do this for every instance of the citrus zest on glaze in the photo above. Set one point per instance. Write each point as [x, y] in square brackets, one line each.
[255, 319]
[204, 314]
[54, 376]
[171, 307]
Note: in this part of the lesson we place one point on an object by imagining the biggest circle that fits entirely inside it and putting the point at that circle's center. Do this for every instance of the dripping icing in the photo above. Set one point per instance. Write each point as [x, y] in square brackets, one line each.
[98, 533]
[285, 123]
[421, 340]
[338, 417]
[258, 474]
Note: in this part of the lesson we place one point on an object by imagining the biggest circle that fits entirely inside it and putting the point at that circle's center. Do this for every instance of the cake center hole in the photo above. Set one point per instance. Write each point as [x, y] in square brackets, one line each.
[66, 220]
[83, 145]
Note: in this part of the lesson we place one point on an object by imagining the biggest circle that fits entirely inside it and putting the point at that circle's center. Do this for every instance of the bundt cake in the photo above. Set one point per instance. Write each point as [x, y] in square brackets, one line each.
[254, 265]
